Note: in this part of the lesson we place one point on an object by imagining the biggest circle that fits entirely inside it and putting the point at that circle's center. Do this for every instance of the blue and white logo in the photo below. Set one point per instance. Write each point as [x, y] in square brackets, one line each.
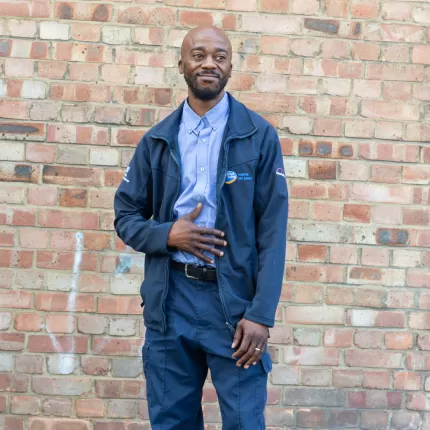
[230, 177]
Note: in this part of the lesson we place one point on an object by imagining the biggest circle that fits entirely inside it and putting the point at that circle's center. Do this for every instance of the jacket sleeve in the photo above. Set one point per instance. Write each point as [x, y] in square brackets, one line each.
[133, 207]
[271, 207]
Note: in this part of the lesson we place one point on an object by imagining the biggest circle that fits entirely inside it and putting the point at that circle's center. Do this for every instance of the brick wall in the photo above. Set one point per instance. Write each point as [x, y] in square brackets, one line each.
[346, 83]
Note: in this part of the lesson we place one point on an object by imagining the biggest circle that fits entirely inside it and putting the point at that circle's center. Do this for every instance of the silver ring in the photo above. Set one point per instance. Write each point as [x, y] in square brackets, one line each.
[257, 349]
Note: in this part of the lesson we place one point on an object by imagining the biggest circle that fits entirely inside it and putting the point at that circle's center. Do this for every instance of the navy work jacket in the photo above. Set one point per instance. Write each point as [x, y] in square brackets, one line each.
[252, 210]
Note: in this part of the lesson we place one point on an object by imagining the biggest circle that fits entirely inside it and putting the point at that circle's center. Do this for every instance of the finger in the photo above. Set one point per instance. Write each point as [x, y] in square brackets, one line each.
[237, 336]
[211, 249]
[211, 231]
[248, 354]
[212, 240]
[200, 255]
[195, 213]
[256, 356]
[243, 347]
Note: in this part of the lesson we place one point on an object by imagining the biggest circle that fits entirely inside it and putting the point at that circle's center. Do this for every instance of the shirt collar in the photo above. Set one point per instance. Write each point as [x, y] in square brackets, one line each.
[214, 117]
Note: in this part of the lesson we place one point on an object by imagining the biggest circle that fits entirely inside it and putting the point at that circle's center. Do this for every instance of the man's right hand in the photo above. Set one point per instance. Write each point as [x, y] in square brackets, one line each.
[189, 237]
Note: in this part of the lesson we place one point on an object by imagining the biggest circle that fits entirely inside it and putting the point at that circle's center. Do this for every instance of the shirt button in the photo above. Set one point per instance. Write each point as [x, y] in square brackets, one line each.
[202, 169]
[203, 140]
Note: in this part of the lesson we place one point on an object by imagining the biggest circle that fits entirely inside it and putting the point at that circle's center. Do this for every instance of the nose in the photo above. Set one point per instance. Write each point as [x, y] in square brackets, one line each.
[209, 63]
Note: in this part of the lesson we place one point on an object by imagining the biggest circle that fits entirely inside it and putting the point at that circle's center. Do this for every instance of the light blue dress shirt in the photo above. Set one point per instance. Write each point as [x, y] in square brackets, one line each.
[200, 140]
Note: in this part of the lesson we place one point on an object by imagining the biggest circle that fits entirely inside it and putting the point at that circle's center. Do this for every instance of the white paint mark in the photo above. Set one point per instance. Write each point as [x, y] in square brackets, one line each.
[64, 365]
[363, 318]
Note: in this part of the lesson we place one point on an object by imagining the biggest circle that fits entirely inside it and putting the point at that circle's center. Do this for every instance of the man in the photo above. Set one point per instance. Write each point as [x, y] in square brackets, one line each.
[205, 198]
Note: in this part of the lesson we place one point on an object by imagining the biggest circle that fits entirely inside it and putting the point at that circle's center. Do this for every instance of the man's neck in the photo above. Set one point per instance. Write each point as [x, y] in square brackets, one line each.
[201, 107]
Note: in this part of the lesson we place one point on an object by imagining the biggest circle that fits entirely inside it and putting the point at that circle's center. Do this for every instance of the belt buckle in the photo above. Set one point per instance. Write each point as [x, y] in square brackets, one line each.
[189, 276]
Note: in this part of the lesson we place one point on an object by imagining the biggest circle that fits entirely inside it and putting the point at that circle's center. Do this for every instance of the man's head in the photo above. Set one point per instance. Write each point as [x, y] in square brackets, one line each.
[206, 61]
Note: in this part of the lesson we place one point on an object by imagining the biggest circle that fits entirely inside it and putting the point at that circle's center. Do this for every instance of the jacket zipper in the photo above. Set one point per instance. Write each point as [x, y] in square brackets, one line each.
[166, 288]
[219, 175]
[218, 192]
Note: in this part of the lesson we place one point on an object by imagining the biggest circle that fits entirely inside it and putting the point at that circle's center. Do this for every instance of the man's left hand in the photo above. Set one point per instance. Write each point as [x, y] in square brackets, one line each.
[250, 338]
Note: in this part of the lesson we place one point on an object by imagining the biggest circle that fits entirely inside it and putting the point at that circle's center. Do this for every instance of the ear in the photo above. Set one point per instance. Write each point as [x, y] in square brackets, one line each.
[181, 66]
[230, 71]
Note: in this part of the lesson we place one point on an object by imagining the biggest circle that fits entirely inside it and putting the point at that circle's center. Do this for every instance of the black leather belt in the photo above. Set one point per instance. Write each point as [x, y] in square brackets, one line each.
[202, 273]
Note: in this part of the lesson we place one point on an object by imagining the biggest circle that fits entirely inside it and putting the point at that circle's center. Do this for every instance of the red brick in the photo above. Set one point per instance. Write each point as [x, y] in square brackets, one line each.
[418, 278]
[60, 323]
[311, 418]
[80, 92]
[407, 381]
[366, 51]
[189, 18]
[370, 298]
[365, 9]
[12, 423]
[11, 342]
[40, 153]
[28, 322]
[56, 424]
[86, 32]
[308, 356]
[368, 339]
[68, 219]
[26, 363]
[420, 54]
[13, 382]
[376, 379]
[119, 305]
[14, 109]
[116, 346]
[51, 69]
[357, 213]
[416, 216]
[375, 257]
[89, 408]
[63, 344]
[83, 12]
[309, 294]
[59, 302]
[127, 137]
[97, 366]
[346, 378]
[395, 72]
[335, 49]
[70, 197]
[312, 253]
[363, 358]
[337, 8]
[15, 299]
[322, 170]
[328, 127]
[25, 405]
[58, 407]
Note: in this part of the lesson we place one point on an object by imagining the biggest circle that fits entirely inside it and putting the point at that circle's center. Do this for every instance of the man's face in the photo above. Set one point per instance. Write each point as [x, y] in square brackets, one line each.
[206, 63]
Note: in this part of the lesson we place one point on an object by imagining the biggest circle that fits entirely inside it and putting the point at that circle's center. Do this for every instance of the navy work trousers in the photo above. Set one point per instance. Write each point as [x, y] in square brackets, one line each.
[176, 363]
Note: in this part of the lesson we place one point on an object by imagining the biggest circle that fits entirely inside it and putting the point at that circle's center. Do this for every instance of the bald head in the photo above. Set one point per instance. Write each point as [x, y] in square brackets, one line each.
[205, 33]
[206, 62]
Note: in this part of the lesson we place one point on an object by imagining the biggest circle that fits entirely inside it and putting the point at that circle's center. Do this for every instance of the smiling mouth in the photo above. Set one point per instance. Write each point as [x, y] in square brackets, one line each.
[208, 76]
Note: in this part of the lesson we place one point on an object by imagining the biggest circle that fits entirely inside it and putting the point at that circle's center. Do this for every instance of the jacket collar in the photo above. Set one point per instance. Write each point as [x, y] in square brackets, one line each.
[239, 124]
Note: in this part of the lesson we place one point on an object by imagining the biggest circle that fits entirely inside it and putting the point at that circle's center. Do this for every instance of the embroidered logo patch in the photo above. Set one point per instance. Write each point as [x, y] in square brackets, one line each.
[125, 175]
[280, 172]
[230, 177]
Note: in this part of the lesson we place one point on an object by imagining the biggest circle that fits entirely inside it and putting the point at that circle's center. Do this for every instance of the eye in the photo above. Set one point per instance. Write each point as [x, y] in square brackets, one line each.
[220, 57]
[198, 56]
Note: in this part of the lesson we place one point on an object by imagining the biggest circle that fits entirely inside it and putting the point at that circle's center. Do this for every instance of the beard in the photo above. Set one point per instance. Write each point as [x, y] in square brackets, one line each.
[205, 93]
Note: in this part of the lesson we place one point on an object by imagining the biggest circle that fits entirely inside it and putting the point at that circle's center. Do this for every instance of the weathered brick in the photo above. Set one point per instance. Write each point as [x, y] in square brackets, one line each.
[313, 397]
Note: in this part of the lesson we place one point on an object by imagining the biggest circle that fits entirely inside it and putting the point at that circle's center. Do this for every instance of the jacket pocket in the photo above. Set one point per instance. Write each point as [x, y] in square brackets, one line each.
[266, 361]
